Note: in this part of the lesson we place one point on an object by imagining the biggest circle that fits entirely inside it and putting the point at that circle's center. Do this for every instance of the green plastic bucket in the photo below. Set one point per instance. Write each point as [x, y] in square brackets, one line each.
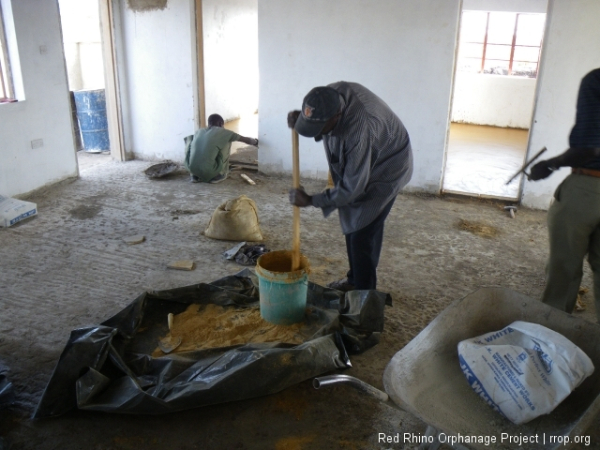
[282, 292]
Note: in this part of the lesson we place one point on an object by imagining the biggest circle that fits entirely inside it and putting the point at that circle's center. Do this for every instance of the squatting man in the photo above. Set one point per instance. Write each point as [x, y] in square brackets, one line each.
[207, 151]
[370, 160]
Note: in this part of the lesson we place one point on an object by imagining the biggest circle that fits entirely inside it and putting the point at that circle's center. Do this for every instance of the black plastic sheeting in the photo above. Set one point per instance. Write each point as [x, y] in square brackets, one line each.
[6, 387]
[6, 398]
[109, 367]
[246, 254]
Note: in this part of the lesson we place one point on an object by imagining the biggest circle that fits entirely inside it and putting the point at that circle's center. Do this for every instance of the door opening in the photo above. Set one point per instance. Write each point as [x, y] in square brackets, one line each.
[493, 100]
[230, 69]
[87, 42]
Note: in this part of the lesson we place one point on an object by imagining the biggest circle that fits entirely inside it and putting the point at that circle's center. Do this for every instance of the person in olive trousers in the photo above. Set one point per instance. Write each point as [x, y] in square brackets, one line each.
[574, 216]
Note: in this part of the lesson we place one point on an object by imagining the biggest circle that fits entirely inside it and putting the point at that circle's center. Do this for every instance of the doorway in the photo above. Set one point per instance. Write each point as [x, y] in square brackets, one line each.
[88, 45]
[82, 46]
[492, 102]
[230, 66]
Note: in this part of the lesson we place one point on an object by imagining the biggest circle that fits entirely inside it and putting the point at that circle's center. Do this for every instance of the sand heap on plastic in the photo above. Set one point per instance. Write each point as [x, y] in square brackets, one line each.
[213, 326]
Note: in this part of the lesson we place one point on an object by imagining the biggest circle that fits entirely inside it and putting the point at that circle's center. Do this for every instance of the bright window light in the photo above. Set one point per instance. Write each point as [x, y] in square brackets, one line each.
[501, 43]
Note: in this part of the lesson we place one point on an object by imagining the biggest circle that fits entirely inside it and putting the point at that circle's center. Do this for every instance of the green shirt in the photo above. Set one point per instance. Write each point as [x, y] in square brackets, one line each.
[207, 155]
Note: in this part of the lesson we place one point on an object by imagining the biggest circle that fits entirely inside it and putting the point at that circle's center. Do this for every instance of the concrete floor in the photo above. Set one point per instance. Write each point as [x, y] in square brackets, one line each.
[69, 267]
[481, 159]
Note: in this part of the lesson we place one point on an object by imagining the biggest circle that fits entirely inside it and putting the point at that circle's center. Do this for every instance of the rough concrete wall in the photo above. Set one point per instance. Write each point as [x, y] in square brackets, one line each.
[146, 5]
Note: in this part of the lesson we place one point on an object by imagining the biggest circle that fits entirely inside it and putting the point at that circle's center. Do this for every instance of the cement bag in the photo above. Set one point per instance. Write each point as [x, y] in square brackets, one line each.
[524, 370]
[235, 220]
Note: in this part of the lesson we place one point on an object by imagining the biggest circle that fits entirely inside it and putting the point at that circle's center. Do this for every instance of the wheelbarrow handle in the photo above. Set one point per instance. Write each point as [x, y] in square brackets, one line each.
[366, 388]
[352, 381]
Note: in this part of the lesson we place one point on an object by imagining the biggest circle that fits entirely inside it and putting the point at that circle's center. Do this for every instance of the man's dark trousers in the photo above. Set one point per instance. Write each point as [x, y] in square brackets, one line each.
[364, 247]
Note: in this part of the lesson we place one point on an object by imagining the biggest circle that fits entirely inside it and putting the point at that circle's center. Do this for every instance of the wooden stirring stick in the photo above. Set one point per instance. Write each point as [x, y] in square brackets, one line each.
[295, 185]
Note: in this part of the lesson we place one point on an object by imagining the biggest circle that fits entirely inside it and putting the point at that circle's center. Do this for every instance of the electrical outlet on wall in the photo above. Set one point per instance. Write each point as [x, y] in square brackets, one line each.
[37, 143]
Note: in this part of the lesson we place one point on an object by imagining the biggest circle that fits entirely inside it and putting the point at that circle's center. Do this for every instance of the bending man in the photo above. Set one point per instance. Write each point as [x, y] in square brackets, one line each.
[207, 151]
[574, 217]
[370, 160]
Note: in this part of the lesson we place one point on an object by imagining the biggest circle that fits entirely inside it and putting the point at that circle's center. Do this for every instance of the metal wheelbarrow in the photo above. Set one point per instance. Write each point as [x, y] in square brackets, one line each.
[425, 379]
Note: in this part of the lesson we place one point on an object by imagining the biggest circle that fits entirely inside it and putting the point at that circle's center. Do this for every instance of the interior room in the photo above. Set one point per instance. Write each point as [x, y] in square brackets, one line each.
[109, 239]
[492, 103]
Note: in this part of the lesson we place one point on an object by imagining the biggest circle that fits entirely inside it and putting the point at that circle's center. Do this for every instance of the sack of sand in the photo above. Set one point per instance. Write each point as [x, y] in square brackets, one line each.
[235, 220]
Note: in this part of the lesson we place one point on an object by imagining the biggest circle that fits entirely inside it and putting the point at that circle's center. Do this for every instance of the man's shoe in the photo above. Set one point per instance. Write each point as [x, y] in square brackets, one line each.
[341, 285]
[219, 178]
[194, 179]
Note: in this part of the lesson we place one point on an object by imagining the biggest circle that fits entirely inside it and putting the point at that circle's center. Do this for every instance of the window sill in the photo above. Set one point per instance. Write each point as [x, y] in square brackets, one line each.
[18, 105]
[512, 77]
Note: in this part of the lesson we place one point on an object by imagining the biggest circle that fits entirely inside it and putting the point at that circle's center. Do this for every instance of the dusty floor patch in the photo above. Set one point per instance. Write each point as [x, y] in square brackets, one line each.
[185, 212]
[83, 212]
[478, 228]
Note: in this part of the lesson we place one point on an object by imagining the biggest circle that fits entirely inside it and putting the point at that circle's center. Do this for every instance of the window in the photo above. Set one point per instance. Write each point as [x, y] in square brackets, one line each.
[7, 92]
[500, 43]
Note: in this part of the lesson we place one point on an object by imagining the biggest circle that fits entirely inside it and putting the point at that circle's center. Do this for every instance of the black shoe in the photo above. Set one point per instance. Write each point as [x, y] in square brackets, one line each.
[341, 285]
[194, 179]
[219, 178]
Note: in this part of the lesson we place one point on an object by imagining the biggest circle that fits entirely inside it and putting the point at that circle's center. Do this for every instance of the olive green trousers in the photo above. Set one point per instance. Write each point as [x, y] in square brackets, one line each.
[574, 231]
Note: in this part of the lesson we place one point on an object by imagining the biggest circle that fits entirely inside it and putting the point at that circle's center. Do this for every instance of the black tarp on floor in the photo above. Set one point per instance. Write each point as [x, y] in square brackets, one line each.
[110, 367]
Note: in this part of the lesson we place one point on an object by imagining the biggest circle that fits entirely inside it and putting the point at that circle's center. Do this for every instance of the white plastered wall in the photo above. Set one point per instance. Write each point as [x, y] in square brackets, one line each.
[498, 101]
[43, 118]
[157, 58]
[230, 57]
[571, 49]
[402, 50]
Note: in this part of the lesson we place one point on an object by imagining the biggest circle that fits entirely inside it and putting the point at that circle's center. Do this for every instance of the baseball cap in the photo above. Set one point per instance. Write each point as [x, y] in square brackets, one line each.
[318, 106]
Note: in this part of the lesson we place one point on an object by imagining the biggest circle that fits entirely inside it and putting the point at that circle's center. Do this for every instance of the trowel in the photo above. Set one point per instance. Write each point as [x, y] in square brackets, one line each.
[169, 343]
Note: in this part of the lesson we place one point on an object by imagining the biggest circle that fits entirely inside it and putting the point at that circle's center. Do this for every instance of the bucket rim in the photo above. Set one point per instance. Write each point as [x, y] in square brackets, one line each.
[259, 269]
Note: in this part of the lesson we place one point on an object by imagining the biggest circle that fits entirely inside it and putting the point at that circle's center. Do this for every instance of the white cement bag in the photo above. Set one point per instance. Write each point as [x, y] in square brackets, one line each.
[13, 210]
[524, 370]
[235, 220]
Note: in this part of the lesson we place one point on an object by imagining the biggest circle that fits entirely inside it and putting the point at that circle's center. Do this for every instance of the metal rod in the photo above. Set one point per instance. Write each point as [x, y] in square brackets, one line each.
[352, 381]
[527, 164]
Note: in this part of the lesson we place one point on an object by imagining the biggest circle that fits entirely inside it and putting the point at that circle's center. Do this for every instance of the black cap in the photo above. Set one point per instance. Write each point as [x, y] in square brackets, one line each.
[319, 105]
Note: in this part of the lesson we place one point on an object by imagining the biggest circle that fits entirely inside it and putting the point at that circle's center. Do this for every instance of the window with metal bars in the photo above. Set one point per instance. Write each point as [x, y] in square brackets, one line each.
[501, 43]
[7, 93]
